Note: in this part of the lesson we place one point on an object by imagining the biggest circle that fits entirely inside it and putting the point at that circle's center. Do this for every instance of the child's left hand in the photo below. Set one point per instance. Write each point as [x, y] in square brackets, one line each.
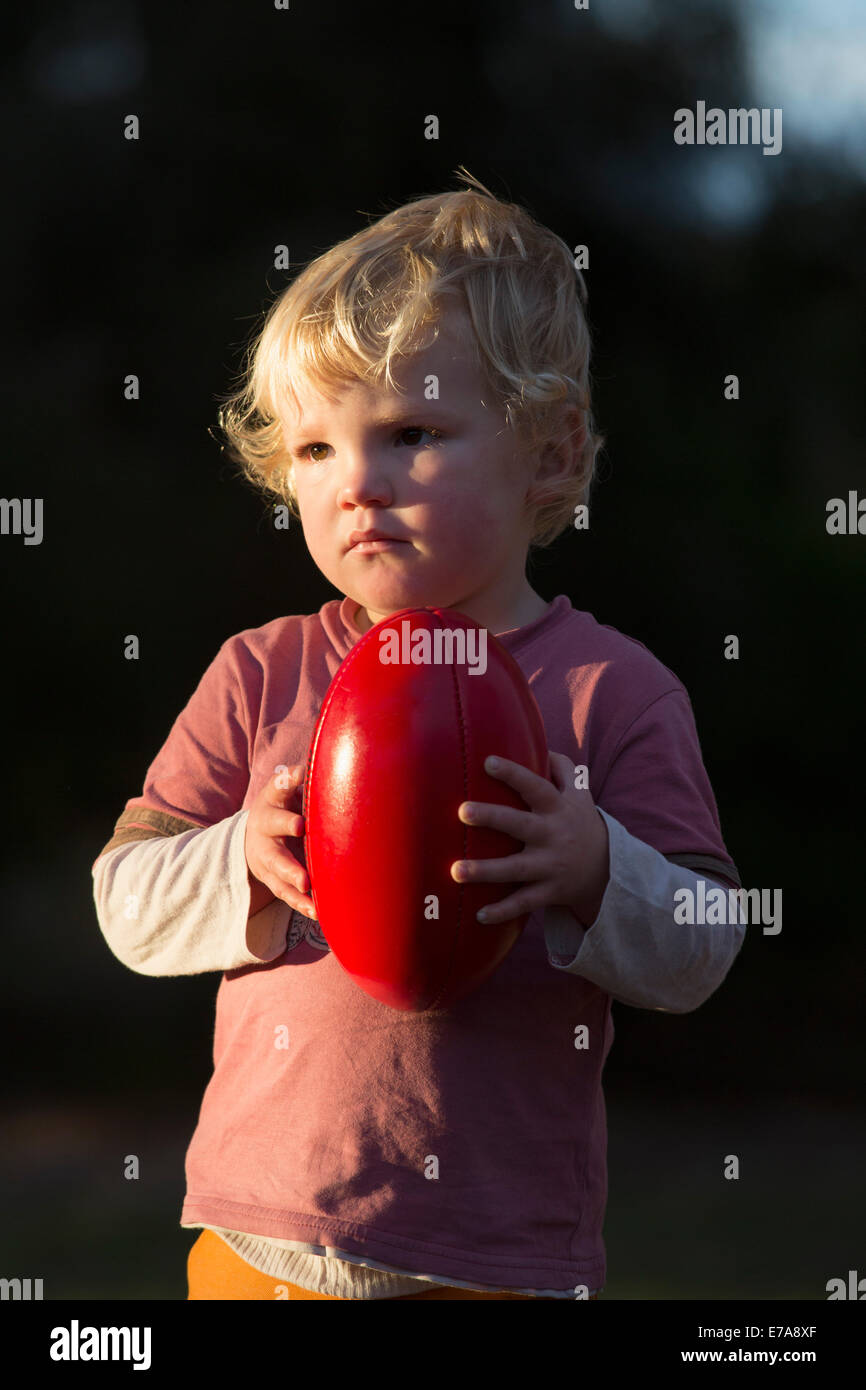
[565, 858]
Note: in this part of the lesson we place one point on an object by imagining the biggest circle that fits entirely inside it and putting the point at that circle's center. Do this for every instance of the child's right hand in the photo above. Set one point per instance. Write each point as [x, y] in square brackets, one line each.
[272, 869]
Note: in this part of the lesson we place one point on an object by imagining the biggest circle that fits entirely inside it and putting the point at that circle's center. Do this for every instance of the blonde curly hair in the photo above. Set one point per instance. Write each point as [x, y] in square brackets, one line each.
[366, 302]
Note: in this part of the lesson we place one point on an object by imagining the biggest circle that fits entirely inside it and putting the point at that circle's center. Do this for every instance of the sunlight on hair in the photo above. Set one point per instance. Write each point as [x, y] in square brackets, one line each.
[376, 297]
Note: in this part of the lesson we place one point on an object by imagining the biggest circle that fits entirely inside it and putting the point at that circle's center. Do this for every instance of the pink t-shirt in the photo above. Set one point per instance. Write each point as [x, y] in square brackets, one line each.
[469, 1142]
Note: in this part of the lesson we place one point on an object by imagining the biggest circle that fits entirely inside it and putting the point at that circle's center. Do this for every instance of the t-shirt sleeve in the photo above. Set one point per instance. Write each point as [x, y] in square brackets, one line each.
[202, 771]
[657, 787]
[176, 899]
[663, 833]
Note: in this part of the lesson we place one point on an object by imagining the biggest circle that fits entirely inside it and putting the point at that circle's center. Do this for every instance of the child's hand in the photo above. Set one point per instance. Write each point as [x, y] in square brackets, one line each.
[565, 859]
[271, 866]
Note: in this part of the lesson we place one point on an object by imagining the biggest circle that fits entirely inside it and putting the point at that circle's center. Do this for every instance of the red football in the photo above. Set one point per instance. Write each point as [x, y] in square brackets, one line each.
[406, 724]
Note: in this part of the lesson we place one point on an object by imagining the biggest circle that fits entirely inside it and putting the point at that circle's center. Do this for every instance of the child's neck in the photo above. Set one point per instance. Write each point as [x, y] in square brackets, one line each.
[530, 608]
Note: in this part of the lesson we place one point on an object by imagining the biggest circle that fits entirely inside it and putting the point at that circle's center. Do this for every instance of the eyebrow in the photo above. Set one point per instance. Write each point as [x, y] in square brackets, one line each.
[410, 410]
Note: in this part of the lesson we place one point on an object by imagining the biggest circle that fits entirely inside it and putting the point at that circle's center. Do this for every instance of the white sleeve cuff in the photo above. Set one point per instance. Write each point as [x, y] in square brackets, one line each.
[180, 905]
[635, 950]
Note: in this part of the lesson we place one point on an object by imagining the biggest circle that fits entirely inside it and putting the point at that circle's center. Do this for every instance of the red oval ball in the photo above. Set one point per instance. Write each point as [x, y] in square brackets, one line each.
[398, 746]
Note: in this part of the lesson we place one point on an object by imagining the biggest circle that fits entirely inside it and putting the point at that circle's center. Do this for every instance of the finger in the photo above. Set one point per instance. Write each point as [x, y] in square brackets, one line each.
[509, 908]
[523, 825]
[277, 823]
[284, 783]
[562, 769]
[512, 868]
[297, 901]
[537, 792]
[289, 882]
[285, 867]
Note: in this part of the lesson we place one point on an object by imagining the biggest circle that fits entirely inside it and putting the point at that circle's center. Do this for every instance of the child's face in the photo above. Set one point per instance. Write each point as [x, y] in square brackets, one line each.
[441, 476]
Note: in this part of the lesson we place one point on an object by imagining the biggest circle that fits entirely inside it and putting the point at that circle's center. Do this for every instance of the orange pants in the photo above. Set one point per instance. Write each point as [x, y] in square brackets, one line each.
[215, 1271]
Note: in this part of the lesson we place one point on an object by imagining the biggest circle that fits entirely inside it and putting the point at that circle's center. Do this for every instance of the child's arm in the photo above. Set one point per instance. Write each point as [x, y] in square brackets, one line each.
[181, 904]
[663, 836]
[185, 904]
[173, 892]
[635, 950]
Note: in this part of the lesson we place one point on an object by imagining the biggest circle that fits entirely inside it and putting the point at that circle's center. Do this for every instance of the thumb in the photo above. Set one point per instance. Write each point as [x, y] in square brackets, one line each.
[562, 770]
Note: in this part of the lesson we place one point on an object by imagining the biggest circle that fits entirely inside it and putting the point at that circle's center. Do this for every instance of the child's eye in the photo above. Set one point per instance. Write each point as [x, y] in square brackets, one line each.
[422, 429]
[306, 451]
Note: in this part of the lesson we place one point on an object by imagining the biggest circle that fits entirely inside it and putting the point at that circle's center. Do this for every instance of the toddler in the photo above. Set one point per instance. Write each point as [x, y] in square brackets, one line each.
[419, 400]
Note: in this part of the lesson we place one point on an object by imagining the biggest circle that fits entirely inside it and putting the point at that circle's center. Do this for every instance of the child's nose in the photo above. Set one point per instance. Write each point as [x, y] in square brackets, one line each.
[366, 480]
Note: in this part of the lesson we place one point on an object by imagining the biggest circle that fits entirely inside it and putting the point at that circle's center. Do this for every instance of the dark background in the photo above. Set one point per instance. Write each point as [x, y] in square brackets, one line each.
[261, 127]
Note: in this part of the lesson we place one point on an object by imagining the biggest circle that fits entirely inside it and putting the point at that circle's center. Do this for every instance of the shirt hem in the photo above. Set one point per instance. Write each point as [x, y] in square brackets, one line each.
[434, 1261]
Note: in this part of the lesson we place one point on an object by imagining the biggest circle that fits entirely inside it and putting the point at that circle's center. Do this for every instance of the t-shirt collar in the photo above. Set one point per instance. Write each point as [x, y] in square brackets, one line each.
[511, 638]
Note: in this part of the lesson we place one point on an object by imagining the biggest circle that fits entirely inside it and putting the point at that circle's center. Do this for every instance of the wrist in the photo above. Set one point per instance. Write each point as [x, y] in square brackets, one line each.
[587, 907]
[260, 894]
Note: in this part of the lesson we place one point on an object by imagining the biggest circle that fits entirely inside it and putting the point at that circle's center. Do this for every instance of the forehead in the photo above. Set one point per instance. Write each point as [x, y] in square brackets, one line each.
[449, 356]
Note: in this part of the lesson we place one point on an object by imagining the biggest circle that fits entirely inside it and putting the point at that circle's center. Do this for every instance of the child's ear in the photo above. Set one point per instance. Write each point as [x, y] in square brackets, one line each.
[576, 426]
[559, 457]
